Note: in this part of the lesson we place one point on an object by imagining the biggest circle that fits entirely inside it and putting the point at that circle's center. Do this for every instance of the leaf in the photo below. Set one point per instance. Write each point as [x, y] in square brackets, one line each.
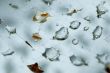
[107, 68]
[41, 17]
[35, 68]
[36, 37]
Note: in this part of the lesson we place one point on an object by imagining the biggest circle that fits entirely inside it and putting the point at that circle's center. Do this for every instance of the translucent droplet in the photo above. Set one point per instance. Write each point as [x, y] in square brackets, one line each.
[13, 6]
[8, 52]
[86, 28]
[48, 2]
[101, 9]
[71, 11]
[11, 30]
[75, 24]
[61, 34]
[77, 61]
[87, 18]
[52, 54]
[97, 32]
[75, 41]
[102, 58]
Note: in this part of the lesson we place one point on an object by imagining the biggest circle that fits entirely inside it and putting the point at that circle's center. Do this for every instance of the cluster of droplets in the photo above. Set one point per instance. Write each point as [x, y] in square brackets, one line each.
[53, 54]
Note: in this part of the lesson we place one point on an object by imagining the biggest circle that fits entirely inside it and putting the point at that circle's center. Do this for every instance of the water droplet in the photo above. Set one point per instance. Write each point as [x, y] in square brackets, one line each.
[75, 41]
[52, 54]
[8, 52]
[75, 24]
[101, 9]
[86, 28]
[13, 6]
[77, 61]
[87, 18]
[48, 2]
[11, 30]
[102, 58]
[97, 32]
[71, 11]
[61, 34]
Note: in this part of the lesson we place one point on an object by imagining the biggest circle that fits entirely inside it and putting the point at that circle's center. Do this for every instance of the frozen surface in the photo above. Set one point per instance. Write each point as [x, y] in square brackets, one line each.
[90, 41]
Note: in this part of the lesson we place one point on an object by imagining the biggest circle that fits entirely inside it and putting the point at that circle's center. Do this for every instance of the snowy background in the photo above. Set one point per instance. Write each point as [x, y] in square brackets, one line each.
[21, 17]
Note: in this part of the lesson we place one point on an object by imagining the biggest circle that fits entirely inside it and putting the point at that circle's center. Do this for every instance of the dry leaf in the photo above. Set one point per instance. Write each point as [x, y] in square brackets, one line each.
[41, 18]
[36, 37]
[107, 68]
[35, 68]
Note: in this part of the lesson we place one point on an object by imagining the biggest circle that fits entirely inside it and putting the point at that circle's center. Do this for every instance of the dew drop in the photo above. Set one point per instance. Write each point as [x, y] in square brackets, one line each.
[61, 34]
[48, 2]
[75, 24]
[11, 30]
[77, 61]
[86, 28]
[101, 9]
[8, 52]
[75, 41]
[52, 54]
[97, 32]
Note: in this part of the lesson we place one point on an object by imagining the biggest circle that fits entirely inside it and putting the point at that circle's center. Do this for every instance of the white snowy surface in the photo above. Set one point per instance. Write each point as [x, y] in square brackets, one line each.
[21, 18]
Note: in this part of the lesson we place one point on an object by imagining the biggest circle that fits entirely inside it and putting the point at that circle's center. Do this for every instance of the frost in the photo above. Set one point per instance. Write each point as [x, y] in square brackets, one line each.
[52, 54]
[61, 34]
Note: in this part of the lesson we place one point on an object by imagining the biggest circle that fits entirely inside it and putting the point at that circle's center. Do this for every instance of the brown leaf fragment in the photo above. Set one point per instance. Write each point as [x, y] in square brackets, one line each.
[34, 18]
[107, 68]
[41, 17]
[36, 37]
[35, 68]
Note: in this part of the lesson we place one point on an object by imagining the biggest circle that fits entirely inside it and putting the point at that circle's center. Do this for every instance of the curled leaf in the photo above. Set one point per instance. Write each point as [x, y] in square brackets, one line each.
[35, 68]
[36, 37]
[41, 18]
